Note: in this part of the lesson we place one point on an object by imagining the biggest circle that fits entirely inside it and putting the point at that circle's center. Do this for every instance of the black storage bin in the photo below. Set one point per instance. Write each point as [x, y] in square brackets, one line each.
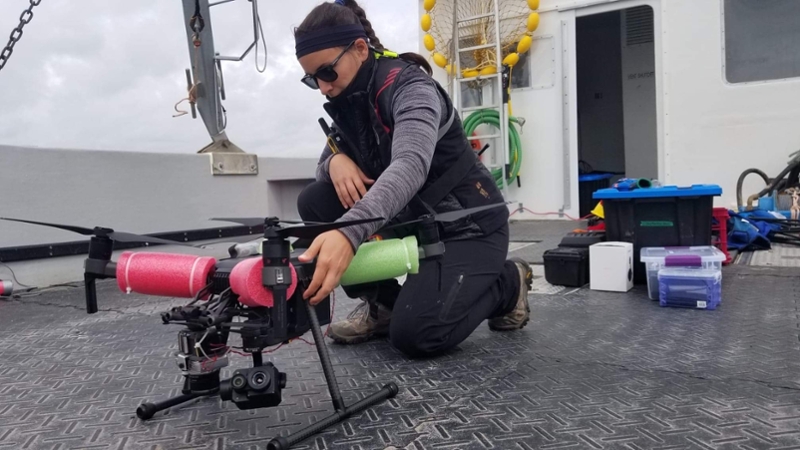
[567, 266]
[666, 216]
[588, 183]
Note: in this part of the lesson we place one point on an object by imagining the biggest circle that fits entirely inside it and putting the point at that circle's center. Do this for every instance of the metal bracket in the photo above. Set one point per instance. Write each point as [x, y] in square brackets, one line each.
[233, 163]
[256, 35]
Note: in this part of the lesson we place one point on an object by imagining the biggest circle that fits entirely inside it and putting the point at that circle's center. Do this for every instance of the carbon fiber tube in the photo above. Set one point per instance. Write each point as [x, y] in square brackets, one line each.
[285, 442]
[342, 411]
[387, 391]
[324, 359]
[147, 410]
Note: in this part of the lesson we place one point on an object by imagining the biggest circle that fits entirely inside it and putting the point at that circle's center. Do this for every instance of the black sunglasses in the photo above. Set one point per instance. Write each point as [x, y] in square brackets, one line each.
[325, 73]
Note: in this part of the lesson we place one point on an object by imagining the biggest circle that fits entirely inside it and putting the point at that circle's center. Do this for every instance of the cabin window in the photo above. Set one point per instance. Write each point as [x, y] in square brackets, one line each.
[761, 39]
[521, 73]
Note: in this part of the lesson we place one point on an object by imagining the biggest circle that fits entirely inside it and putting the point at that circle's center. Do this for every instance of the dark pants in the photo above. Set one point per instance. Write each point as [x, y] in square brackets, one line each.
[436, 309]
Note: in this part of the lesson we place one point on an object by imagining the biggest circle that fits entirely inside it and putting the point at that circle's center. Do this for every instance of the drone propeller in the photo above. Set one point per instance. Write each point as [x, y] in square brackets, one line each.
[305, 230]
[119, 236]
[258, 221]
[311, 231]
[450, 216]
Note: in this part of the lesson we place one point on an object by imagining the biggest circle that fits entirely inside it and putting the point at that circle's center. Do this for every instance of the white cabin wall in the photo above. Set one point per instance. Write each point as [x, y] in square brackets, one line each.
[542, 188]
[136, 192]
[542, 178]
[708, 130]
[716, 130]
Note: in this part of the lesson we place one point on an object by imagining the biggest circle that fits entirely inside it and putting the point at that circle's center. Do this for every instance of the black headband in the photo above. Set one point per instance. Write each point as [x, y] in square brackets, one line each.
[336, 36]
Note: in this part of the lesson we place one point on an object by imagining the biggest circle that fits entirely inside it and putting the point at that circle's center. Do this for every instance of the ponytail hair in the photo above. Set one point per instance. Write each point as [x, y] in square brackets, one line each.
[348, 12]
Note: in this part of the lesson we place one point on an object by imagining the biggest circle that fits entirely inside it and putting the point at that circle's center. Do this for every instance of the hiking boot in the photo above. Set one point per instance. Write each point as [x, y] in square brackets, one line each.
[365, 322]
[519, 316]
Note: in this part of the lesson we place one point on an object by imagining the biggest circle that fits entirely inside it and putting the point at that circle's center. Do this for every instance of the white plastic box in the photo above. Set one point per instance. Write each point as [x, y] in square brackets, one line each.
[657, 258]
[611, 266]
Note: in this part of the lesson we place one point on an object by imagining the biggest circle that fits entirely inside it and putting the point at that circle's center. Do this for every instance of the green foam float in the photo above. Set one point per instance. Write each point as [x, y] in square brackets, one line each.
[374, 260]
[382, 260]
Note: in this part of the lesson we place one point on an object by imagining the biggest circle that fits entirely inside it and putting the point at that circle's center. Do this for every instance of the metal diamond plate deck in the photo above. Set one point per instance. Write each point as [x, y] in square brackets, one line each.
[592, 370]
[780, 255]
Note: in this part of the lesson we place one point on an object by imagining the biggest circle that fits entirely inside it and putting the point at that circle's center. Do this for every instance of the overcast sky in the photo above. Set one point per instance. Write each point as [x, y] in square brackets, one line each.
[106, 74]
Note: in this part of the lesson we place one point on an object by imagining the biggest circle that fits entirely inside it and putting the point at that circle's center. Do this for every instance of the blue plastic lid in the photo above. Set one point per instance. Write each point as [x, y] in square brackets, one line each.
[594, 176]
[663, 191]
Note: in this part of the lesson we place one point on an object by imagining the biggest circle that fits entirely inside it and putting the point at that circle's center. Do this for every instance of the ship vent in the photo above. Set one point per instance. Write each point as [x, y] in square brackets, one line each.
[639, 25]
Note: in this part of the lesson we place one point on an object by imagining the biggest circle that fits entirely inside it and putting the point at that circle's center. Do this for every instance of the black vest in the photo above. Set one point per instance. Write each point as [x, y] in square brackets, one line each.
[456, 176]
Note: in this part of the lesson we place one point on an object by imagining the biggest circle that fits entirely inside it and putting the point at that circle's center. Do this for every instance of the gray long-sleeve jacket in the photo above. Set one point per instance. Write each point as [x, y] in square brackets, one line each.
[418, 112]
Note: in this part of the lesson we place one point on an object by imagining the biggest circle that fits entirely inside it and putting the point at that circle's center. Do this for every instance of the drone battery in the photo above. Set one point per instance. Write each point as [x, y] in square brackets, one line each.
[164, 274]
[247, 282]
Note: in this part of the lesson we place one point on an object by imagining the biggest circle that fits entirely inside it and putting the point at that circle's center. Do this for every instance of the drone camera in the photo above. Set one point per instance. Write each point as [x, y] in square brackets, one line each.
[256, 387]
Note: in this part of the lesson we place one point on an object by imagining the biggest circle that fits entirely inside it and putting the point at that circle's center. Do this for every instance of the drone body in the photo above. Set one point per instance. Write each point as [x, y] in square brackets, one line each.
[265, 290]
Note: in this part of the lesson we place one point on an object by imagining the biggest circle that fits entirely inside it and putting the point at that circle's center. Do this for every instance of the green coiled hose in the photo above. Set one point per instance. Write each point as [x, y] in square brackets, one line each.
[492, 117]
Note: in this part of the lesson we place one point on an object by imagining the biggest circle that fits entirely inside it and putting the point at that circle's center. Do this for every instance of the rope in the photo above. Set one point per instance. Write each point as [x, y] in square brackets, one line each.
[192, 98]
[260, 31]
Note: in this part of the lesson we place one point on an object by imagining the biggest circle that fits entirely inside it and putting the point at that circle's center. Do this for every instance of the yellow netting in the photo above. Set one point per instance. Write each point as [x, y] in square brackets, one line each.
[518, 19]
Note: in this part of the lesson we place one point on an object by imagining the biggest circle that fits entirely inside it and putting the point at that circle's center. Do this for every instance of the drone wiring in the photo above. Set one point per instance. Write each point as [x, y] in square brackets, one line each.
[32, 291]
[14, 276]
[202, 293]
[232, 349]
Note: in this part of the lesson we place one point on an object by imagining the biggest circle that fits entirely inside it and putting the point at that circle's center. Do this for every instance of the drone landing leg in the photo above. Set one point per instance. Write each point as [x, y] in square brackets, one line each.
[91, 293]
[148, 410]
[325, 360]
[342, 411]
[194, 386]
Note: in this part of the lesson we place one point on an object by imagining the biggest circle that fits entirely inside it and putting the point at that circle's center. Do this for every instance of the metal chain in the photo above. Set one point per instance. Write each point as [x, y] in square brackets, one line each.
[16, 33]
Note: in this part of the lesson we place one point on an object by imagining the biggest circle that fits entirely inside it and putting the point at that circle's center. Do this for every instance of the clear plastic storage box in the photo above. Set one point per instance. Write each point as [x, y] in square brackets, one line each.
[657, 258]
[690, 287]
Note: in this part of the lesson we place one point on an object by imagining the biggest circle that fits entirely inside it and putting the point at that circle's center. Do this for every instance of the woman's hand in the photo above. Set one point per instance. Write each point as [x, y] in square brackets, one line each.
[348, 179]
[334, 254]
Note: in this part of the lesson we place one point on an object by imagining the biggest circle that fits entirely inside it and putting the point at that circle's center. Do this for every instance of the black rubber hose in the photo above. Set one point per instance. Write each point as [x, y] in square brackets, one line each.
[778, 183]
[740, 182]
[781, 182]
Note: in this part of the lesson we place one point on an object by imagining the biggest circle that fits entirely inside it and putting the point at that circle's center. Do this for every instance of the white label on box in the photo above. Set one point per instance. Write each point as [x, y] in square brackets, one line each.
[701, 304]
